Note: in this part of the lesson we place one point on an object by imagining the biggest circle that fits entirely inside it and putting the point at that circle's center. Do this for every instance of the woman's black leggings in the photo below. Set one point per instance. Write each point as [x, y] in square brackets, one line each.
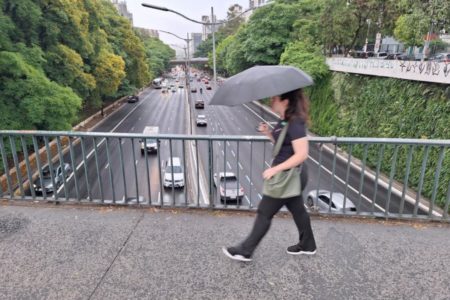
[267, 208]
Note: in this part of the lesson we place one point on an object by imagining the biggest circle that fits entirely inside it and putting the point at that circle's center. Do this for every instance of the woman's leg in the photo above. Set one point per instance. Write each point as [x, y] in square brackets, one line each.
[267, 208]
[303, 222]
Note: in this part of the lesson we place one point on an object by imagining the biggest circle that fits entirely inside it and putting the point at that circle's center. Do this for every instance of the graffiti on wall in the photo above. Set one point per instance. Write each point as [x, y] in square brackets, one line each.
[425, 67]
[428, 71]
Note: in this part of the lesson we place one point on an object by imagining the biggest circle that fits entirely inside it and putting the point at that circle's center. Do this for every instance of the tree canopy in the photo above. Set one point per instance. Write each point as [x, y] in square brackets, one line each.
[58, 56]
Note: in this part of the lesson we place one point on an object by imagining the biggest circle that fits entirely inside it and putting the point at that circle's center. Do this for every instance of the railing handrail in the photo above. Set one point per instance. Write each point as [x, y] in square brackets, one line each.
[331, 139]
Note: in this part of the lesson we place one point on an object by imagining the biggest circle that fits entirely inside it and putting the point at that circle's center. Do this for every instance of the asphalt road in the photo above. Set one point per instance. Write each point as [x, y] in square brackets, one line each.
[169, 111]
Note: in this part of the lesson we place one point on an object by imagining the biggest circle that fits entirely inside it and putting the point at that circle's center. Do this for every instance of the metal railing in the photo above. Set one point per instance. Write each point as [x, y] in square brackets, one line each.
[388, 178]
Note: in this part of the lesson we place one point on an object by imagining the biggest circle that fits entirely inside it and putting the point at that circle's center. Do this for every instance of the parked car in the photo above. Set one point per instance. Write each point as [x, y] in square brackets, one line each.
[208, 87]
[199, 103]
[133, 99]
[380, 55]
[397, 56]
[46, 181]
[194, 90]
[229, 188]
[441, 57]
[174, 89]
[173, 173]
[201, 120]
[321, 201]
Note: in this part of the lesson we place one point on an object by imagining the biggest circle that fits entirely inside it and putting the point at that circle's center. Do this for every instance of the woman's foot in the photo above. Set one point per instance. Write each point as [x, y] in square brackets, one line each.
[233, 253]
[297, 250]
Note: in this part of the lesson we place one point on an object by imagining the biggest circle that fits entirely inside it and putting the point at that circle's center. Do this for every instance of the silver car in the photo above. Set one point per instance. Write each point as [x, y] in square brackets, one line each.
[229, 188]
[321, 201]
[47, 182]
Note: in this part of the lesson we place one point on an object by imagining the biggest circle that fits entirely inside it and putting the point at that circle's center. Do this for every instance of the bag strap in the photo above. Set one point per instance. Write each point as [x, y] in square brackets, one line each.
[280, 140]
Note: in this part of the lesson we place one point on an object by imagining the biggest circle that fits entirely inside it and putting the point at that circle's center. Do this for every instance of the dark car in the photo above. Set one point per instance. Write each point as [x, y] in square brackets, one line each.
[133, 99]
[194, 90]
[46, 181]
[441, 57]
[199, 103]
[208, 87]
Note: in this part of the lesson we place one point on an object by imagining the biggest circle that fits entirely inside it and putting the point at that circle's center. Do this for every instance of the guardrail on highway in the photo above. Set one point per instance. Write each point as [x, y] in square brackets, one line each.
[388, 178]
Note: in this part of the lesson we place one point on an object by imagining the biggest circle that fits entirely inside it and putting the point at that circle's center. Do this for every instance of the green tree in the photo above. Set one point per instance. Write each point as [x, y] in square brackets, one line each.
[66, 66]
[269, 31]
[30, 101]
[307, 57]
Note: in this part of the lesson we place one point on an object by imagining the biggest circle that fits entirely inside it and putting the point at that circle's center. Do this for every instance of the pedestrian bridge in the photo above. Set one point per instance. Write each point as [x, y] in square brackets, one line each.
[377, 177]
[194, 60]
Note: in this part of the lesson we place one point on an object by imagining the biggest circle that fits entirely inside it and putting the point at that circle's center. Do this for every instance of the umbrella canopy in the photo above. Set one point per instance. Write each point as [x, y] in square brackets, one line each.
[260, 82]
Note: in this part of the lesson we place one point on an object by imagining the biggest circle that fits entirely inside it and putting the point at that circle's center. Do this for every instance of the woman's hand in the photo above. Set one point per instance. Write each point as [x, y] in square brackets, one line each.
[269, 173]
[264, 129]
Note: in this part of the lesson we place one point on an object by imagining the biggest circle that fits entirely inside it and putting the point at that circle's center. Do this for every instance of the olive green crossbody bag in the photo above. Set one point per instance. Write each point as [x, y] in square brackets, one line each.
[284, 184]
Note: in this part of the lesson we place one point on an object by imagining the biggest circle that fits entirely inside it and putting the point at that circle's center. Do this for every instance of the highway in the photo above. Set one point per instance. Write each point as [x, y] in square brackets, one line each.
[170, 112]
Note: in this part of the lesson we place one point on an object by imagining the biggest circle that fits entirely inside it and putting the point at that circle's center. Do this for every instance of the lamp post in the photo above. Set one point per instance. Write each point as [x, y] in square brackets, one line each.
[187, 40]
[212, 24]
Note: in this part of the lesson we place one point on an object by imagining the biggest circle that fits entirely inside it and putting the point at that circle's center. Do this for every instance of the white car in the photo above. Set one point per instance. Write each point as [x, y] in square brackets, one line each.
[321, 201]
[201, 120]
[173, 173]
[229, 187]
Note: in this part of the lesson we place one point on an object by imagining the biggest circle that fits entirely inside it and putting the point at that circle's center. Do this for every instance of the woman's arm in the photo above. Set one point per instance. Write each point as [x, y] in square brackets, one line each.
[301, 147]
[264, 129]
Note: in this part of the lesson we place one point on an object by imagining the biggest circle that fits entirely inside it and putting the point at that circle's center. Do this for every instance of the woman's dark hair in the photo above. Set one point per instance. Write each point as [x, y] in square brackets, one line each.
[298, 106]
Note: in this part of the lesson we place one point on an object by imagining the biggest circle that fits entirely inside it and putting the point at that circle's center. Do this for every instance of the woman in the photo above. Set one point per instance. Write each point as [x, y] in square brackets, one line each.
[292, 107]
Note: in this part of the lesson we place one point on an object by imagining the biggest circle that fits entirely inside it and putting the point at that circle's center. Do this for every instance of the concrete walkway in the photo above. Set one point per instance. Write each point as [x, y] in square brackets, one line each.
[66, 252]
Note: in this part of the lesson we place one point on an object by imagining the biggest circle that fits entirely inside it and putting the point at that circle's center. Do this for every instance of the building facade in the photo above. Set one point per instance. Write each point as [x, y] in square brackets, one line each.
[147, 32]
[197, 38]
[121, 7]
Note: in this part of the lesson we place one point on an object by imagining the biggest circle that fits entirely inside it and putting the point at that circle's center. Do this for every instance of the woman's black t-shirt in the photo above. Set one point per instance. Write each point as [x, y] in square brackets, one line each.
[296, 130]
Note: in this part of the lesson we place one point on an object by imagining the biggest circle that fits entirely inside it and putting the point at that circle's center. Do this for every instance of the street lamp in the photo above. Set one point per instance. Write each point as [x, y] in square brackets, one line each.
[204, 23]
[187, 40]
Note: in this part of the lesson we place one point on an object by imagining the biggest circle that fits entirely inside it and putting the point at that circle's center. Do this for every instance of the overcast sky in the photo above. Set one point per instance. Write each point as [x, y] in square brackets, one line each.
[194, 9]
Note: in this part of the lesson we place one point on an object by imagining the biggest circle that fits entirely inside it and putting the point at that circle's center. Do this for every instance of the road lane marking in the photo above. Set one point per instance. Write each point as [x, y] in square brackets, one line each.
[248, 179]
[232, 152]
[240, 166]
[259, 195]
[229, 166]
[223, 153]
[228, 143]
[101, 142]
[136, 162]
[246, 198]
[132, 128]
[267, 164]
[107, 166]
[343, 182]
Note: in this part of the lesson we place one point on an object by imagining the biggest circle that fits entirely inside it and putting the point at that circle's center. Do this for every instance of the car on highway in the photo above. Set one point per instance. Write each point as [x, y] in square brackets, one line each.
[320, 200]
[199, 103]
[133, 99]
[208, 87]
[201, 120]
[151, 144]
[173, 173]
[173, 89]
[194, 90]
[58, 175]
[229, 187]
[180, 86]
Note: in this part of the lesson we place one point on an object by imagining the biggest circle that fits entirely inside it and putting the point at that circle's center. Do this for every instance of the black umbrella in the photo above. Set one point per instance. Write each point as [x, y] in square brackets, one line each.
[260, 82]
